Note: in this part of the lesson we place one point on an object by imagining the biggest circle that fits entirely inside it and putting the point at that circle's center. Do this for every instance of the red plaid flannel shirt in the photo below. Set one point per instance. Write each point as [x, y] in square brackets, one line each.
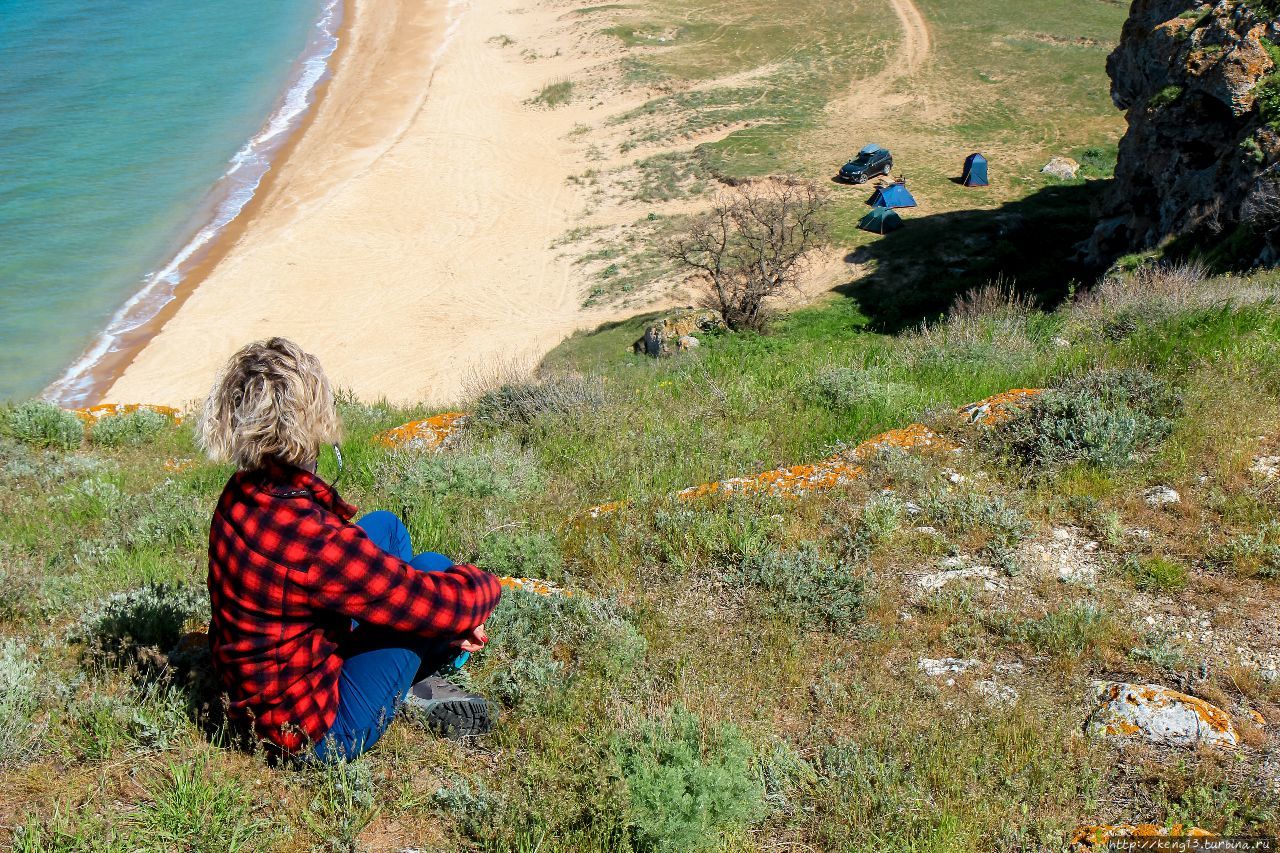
[288, 571]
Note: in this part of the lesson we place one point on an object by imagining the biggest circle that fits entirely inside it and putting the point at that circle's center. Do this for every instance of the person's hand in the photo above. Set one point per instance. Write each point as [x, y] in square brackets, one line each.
[474, 640]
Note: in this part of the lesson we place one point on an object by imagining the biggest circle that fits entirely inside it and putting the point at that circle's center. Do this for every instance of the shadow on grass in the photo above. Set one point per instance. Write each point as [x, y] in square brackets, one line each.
[1030, 243]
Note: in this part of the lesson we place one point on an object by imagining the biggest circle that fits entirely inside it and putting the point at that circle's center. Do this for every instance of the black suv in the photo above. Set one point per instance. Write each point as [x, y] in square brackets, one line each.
[871, 162]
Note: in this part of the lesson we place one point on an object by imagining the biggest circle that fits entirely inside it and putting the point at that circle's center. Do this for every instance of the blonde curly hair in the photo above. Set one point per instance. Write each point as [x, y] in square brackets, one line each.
[272, 399]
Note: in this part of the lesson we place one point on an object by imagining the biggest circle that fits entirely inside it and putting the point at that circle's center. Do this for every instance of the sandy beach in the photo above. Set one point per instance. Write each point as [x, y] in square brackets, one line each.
[407, 236]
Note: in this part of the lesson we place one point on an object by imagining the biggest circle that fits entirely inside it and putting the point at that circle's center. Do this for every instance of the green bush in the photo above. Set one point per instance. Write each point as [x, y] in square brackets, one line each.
[1164, 97]
[688, 786]
[133, 429]
[538, 643]
[1103, 419]
[523, 402]
[802, 586]
[1156, 573]
[555, 94]
[344, 802]
[43, 424]
[523, 553]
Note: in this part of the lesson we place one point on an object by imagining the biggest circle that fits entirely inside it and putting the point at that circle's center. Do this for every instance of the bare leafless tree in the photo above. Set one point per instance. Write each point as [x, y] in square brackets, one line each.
[753, 246]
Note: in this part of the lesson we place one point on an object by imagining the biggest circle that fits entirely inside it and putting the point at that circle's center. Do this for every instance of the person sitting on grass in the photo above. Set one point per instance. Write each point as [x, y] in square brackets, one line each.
[322, 627]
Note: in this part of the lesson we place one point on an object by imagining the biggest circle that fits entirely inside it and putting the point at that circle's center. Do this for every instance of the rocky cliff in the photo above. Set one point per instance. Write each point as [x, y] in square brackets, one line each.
[1201, 92]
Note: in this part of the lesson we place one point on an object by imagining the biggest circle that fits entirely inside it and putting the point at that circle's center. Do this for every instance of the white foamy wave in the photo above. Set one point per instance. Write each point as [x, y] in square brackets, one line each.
[227, 199]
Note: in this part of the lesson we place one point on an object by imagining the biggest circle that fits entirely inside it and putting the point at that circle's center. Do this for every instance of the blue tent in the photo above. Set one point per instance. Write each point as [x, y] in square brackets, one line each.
[975, 171]
[881, 220]
[894, 195]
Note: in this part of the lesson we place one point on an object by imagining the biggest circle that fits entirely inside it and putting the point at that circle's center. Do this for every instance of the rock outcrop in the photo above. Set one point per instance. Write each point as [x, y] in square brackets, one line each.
[1201, 93]
[669, 334]
[1159, 715]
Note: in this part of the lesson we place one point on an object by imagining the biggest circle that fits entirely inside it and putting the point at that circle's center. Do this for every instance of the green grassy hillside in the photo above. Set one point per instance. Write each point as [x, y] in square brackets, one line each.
[731, 674]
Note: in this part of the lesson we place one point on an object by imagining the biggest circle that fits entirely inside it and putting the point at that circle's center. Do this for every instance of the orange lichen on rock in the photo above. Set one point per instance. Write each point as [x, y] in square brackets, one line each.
[998, 408]
[533, 585]
[910, 437]
[1160, 715]
[91, 414]
[605, 509]
[840, 469]
[1099, 836]
[178, 465]
[427, 434]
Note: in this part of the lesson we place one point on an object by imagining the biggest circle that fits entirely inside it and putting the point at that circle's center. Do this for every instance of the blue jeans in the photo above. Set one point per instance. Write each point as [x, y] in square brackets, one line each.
[379, 665]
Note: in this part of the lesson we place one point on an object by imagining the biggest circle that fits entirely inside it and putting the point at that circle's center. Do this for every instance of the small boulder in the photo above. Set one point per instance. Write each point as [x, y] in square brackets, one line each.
[1063, 168]
[945, 666]
[688, 342]
[1159, 715]
[669, 333]
[1159, 496]
[958, 569]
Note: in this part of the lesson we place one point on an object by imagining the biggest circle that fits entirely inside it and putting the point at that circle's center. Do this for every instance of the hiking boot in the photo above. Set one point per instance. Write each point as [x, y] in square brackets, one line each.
[448, 710]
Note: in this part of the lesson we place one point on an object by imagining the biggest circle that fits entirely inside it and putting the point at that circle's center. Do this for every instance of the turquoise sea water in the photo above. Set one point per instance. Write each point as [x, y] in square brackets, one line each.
[128, 132]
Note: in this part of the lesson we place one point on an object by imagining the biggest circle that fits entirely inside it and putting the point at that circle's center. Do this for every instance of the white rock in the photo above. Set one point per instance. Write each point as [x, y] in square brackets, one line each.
[1063, 168]
[943, 666]
[1159, 715]
[1161, 496]
[688, 342]
[1140, 533]
[991, 580]
[996, 693]
[1061, 342]
[931, 531]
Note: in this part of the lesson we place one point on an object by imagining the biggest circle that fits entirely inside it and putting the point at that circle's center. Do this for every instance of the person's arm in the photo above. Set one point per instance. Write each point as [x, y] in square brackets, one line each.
[356, 578]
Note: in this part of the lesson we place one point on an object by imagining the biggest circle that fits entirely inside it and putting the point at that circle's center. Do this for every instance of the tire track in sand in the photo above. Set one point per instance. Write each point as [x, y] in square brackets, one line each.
[871, 96]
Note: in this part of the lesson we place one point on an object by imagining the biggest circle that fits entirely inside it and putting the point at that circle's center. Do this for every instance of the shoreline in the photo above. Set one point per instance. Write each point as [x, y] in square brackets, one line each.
[87, 379]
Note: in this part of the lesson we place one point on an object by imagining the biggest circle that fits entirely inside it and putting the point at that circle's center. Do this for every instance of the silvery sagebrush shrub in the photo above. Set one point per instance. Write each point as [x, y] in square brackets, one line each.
[153, 616]
[803, 586]
[966, 510]
[167, 516]
[1104, 418]
[1255, 554]
[132, 429]
[849, 387]
[689, 783]
[476, 809]
[520, 553]
[534, 635]
[498, 468]
[20, 690]
[522, 402]
[42, 424]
